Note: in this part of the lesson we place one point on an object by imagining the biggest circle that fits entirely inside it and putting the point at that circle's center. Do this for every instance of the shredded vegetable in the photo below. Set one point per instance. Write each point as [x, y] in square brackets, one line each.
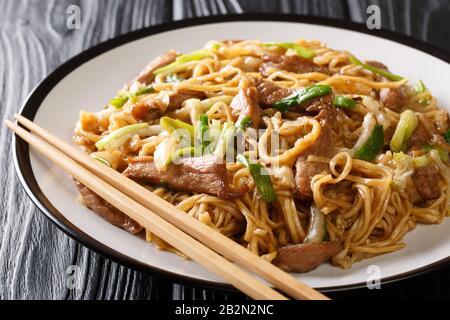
[344, 102]
[381, 72]
[405, 128]
[120, 134]
[303, 96]
[261, 178]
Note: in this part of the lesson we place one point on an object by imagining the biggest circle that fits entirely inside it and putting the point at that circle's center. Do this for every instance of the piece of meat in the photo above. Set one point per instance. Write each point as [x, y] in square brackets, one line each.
[426, 180]
[176, 99]
[151, 108]
[269, 92]
[305, 257]
[324, 146]
[245, 104]
[393, 98]
[146, 110]
[146, 76]
[377, 64]
[322, 103]
[106, 210]
[292, 63]
[419, 138]
[206, 174]
[426, 133]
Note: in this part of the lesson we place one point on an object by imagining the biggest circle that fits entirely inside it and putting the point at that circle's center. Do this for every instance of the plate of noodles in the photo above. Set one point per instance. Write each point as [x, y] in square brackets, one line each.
[318, 145]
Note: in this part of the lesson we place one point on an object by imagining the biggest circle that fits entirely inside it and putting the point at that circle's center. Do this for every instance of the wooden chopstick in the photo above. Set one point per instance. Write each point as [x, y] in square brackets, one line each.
[215, 240]
[155, 224]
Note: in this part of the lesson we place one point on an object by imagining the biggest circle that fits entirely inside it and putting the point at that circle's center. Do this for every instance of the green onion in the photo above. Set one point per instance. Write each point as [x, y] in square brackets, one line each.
[173, 78]
[196, 55]
[215, 46]
[441, 152]
[261, 178]
[344, 102]
[447, 136]
[118, 102]
[225, 137]
[244, 123]
[405, 128]
[101, 160]
[317, 227]
[373, 145]
[421, 88]
[421, 161]
[191, 151]
[214, 132]
[144, 90]
[303, 96]
[163, 153]
[119, 134]
[381, 72]
[170, 125]
[203, 129]
[300, 50]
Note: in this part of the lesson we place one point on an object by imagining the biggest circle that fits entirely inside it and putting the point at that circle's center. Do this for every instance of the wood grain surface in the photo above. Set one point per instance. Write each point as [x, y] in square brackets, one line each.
[34, 40]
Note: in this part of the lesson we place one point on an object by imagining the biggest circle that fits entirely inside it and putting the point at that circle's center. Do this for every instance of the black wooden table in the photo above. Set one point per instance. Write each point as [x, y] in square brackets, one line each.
[35, 39]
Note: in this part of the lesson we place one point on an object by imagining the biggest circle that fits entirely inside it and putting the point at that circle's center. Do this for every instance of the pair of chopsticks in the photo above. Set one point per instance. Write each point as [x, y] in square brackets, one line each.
[202, 244]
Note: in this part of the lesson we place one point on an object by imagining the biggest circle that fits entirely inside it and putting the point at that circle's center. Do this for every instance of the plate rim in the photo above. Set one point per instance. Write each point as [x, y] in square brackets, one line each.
[30, 107]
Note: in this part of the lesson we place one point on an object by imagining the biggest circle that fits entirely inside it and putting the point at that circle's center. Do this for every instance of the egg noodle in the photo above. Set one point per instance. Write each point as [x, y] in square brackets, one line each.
[368, 204]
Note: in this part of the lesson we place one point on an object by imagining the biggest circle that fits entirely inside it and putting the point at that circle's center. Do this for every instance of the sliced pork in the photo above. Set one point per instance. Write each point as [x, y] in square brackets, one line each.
[146, 76]
[292, 63]
[306, 256]
[245, 104]
[206, 174]
[269, 92]
[152, 107]
[393, 98]
[107, 211]
[324, 146]
[426, 179]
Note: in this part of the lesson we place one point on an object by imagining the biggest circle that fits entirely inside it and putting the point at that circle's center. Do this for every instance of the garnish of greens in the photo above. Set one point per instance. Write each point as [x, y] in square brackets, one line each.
[193, 56]
[371, 140]
[144, 90]
[244, 123]
[174, 78]
[170, 125]
[344, 102]
[226, 135]
[381, 72]
[421, 161]
[300, 50]
[405, 128]
[203, 129]
[261, 178]
[120, 134]
[441, 152]
[302, 96]
[102, 160]
[421, 88]
[120, 100]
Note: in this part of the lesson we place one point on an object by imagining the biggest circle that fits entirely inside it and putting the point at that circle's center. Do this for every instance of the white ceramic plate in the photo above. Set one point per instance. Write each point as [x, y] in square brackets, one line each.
[90, 79]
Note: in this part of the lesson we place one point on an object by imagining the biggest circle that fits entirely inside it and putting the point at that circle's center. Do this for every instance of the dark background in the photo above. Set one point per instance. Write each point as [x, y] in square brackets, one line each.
[34, 40]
